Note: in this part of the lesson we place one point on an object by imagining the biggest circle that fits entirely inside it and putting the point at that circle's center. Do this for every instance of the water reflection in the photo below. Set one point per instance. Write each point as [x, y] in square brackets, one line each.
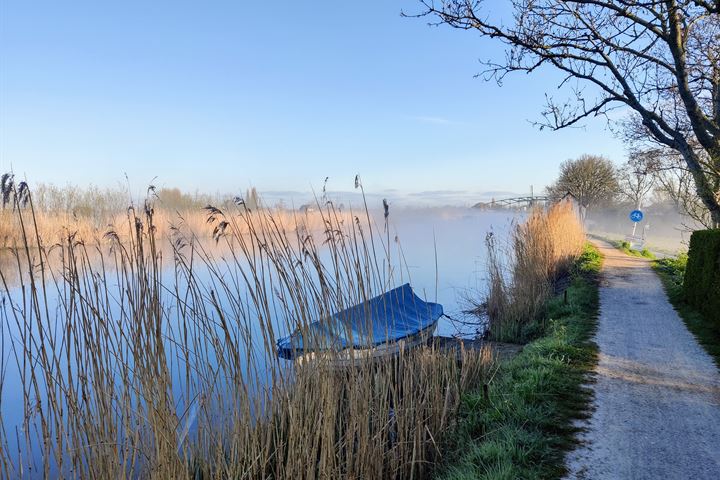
[440, 252]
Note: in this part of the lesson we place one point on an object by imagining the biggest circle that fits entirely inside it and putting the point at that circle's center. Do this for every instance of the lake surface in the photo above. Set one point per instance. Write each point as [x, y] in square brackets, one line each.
[444, 260]
[457, 236]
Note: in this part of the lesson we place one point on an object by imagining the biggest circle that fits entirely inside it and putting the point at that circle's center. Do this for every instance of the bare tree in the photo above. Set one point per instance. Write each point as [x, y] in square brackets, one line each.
[591, 179]
[673, 180]
[636, 179]
[660, 58]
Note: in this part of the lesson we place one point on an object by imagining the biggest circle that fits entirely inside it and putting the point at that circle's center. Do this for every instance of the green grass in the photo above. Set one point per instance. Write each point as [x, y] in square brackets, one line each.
[667, 246]
[672, 272]
[625, 247]
[523, 426]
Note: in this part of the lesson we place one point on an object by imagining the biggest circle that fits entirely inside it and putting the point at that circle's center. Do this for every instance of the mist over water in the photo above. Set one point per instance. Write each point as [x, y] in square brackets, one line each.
[457, 237]
[440, 251]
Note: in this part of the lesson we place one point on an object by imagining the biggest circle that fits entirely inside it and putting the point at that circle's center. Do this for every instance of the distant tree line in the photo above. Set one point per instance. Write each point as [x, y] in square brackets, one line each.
[648, 177]
[101, 203]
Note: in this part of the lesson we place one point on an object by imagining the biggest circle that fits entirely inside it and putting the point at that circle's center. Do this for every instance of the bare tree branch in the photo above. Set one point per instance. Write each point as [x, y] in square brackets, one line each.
[660, 58]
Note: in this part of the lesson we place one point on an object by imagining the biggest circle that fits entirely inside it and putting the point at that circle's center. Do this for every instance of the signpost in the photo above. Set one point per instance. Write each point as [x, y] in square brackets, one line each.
[636, 216]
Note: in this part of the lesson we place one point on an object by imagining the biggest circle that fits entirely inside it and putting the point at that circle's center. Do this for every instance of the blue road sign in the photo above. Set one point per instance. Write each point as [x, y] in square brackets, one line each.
[636, 216]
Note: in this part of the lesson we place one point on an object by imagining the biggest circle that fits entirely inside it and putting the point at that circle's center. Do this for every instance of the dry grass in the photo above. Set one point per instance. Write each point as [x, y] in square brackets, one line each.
[163, 365]
[54, 226]
[542, 249]
[89, 213]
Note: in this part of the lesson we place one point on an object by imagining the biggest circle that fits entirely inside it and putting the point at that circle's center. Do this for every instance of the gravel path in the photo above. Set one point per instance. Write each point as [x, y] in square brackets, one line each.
[657, 396]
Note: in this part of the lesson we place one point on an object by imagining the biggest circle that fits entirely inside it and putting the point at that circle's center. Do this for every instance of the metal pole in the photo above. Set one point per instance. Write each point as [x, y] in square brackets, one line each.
[637, 207]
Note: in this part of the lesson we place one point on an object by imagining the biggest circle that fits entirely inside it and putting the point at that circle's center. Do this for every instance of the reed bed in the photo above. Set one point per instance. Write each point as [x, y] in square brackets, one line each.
[125, 359]
[54, 226]
[522, 277]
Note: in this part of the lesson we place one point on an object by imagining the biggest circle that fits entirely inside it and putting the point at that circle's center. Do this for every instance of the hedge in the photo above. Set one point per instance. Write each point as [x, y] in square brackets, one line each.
[702, 275]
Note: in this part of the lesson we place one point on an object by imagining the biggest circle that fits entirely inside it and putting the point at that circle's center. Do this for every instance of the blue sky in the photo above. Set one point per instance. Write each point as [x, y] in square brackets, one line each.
[218, 96]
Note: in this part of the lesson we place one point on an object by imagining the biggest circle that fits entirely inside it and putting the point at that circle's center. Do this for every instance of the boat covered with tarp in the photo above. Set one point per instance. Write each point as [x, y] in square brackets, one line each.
[379, 326]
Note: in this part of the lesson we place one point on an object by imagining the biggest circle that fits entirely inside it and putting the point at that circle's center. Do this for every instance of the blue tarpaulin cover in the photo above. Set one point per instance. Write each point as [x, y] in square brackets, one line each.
[392, 316]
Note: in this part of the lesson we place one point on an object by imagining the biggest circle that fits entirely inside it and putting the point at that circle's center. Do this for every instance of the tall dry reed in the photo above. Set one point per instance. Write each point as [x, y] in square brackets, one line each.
[129, 360]
[54, 226]
[521, 278]
[87, 213]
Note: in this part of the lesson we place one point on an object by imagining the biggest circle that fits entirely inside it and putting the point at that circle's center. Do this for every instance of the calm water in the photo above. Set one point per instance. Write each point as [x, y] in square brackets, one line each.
[458, 238]
[444, 251]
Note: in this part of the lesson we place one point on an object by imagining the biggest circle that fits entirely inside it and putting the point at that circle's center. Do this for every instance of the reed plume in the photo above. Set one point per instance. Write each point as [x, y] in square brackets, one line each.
[134, 354]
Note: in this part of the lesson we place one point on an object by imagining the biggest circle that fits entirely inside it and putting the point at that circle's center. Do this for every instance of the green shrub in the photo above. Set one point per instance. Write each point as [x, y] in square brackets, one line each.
[627, 248]
[701, 285]
[674, 270]
[647, 253]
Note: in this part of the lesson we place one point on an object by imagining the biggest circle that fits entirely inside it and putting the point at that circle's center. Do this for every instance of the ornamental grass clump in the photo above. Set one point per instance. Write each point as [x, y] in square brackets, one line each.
[522, 277]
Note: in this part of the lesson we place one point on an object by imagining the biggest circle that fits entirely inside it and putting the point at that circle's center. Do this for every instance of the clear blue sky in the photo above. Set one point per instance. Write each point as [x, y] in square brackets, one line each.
[218, 95]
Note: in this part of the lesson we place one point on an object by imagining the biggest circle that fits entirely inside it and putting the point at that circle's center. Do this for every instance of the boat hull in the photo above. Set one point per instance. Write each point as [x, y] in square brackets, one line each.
[353, 356]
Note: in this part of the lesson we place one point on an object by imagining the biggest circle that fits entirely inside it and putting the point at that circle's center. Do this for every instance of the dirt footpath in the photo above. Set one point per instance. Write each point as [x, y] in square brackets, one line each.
[657, 396]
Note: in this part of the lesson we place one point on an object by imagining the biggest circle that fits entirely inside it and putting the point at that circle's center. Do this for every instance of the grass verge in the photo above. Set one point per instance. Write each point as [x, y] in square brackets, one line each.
[672, 272]
[521, 424]
[626, 247]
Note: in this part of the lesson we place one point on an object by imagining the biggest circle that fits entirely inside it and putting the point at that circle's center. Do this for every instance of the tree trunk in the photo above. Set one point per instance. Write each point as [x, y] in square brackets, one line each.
[708, 189]
[714, 212]
[714, 182]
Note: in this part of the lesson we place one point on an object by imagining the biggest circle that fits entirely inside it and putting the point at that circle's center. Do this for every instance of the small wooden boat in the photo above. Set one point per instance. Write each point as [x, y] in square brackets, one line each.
[379, 327]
